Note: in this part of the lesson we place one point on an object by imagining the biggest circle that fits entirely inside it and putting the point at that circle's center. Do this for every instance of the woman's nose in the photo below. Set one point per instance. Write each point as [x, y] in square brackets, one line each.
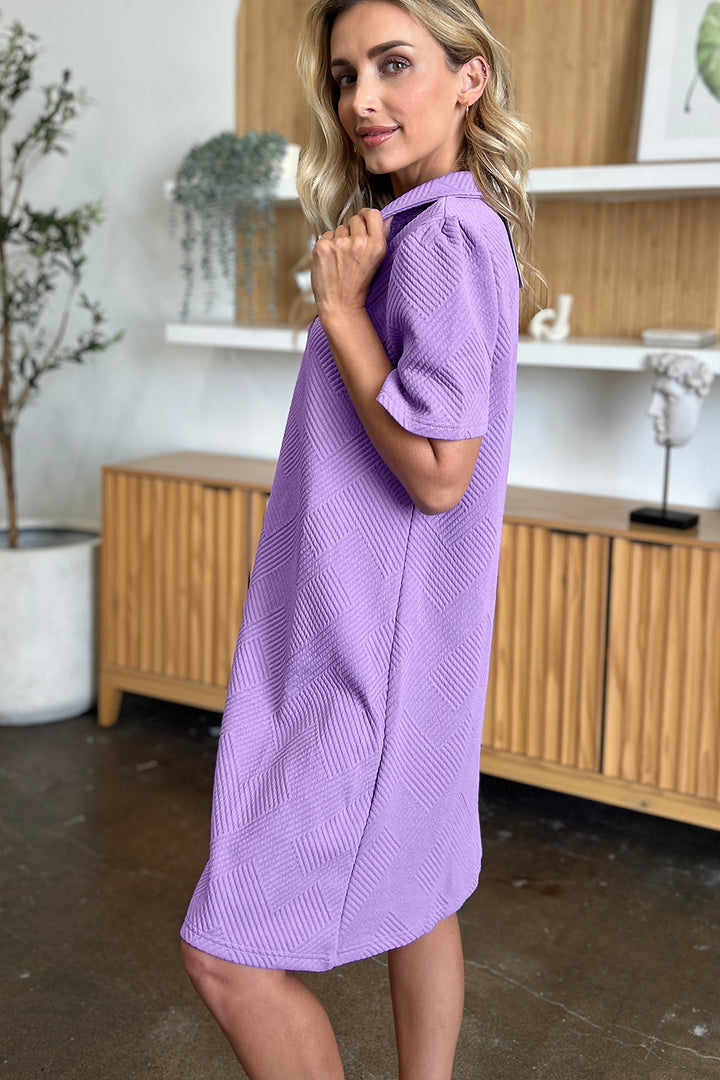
[365, 97]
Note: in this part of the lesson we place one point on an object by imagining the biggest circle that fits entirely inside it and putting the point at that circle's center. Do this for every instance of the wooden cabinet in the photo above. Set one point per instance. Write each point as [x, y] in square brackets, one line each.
[179, 534]
[662, 724]
[605, 667]
[545, 691]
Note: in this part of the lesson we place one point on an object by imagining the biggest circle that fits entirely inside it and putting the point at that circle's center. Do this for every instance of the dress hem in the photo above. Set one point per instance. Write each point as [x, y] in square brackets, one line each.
[252, 958]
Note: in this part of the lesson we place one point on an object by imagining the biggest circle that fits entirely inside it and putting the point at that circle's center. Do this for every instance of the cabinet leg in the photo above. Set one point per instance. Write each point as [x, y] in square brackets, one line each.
[109, 701]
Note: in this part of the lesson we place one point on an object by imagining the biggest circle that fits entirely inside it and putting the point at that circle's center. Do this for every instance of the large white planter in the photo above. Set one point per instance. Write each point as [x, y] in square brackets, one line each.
[49, 622]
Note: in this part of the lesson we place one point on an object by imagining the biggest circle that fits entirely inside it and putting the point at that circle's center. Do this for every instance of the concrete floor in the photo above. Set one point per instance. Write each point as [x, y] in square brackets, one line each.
[592, 944]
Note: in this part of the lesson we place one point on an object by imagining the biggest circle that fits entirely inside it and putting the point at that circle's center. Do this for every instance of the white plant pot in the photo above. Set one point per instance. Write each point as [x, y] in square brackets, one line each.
[48, 622]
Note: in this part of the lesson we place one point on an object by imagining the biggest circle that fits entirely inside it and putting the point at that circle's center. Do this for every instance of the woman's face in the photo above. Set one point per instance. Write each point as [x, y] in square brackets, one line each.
[392, 75]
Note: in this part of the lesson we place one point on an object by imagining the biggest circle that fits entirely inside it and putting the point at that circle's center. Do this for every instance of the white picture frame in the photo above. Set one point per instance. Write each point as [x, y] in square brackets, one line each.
[667, 130]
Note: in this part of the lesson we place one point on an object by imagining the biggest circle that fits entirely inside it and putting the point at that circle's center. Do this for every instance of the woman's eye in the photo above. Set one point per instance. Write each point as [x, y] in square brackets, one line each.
[392, 66]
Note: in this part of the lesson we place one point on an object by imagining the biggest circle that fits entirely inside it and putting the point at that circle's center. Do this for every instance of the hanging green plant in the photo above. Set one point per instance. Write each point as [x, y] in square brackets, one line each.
[225, 188]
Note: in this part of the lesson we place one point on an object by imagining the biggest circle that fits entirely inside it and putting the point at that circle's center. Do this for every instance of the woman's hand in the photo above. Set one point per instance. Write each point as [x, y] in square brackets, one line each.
[344, 263]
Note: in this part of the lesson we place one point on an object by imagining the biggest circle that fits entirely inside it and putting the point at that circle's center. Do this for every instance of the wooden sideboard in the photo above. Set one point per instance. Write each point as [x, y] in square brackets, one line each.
[605, 665]
[179, 535]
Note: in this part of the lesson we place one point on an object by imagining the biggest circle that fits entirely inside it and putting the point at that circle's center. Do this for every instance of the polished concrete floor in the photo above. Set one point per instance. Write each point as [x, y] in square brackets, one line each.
[592, 945]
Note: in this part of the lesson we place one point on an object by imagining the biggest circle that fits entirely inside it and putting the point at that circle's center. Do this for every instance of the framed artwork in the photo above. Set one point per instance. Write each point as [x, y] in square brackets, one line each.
[680, 113]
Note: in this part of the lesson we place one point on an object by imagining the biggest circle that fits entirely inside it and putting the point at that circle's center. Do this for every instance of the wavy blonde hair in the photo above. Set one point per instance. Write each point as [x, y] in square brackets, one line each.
[333, 183]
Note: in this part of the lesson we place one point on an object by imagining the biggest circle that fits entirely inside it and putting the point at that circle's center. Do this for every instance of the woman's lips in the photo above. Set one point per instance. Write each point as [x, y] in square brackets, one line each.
[380, 137]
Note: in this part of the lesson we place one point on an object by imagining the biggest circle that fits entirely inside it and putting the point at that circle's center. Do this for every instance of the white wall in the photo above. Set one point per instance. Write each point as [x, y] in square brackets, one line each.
[587, 431]
[162, 75]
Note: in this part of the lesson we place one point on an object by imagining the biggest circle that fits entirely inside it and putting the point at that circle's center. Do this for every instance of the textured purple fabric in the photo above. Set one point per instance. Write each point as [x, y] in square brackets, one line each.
[345, 803]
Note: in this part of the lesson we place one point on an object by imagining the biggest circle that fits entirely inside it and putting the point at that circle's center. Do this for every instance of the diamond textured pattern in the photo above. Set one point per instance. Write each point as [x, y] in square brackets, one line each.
[345, 801]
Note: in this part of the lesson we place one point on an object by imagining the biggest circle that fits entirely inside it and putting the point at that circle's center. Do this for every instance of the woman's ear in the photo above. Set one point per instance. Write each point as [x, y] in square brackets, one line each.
[475, 77]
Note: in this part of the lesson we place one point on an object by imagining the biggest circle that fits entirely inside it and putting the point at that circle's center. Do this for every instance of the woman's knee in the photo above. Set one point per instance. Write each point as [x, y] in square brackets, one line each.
[210, 973]
[202, 967]
[197, 963]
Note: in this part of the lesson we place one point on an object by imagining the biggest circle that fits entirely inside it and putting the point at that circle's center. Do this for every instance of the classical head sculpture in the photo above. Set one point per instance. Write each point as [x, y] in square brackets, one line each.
[682, 383]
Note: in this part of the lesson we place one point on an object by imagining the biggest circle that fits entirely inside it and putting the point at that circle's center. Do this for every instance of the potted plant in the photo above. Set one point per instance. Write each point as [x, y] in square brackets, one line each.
[225, 189]
[48, 570]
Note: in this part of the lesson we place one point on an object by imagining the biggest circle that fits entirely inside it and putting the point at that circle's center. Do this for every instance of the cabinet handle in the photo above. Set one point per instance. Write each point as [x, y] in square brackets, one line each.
[570, 532]
[647, 543]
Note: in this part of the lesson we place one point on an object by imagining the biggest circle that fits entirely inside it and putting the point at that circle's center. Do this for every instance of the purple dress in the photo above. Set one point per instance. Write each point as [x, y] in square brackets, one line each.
[345, 801]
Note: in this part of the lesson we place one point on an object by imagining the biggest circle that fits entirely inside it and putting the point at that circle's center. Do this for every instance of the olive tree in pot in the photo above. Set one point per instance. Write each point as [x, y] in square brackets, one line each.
[48, 569]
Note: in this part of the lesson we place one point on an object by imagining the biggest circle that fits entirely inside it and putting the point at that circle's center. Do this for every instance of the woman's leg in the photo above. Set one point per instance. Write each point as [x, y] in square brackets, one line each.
[276, 1026]
[427, 984]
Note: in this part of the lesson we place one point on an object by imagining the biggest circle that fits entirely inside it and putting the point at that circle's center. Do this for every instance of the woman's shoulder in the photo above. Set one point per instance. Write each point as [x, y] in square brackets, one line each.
[460, 227]
[452, 218]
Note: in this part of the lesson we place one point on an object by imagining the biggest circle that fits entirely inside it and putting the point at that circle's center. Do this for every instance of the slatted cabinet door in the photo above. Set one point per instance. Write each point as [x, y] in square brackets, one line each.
[545, 689]
[176, 561]
[663, 677]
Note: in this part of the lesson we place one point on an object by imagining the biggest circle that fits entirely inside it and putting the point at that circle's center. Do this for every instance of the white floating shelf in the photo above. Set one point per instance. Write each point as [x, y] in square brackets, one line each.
[600, 354]
[654, 180]
[644, 180]
[218, 335]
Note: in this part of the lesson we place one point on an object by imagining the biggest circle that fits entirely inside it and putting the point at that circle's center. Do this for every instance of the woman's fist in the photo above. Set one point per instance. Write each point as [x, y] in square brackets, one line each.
[345, 261]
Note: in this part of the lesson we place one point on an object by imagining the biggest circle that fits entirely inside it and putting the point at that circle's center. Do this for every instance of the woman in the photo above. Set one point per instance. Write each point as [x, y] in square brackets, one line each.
[345, 807]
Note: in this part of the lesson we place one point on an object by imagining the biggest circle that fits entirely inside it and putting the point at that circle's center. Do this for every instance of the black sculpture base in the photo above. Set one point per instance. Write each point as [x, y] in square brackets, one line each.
[671, 519]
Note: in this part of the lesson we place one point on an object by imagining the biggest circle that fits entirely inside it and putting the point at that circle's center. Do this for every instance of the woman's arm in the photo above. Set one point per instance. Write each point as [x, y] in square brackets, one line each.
[434, 472]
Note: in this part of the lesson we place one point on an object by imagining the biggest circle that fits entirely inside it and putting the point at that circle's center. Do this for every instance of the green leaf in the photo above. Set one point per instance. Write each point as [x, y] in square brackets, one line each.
[708, 49]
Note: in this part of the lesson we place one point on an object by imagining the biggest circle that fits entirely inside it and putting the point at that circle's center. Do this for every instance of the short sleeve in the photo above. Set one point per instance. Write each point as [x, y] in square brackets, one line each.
[442, 310]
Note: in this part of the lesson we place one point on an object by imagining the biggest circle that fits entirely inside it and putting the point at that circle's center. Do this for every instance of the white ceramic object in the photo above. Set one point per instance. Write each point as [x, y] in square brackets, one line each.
[290, 161]
[303, 280]
[49, 625]
[552, 324]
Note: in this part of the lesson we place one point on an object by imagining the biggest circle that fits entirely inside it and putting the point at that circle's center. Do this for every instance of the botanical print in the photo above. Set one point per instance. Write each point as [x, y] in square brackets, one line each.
[681, 101]
[707, 53]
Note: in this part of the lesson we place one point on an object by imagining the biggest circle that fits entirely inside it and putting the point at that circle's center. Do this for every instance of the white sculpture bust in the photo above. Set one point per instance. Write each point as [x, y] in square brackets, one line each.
[682, 383]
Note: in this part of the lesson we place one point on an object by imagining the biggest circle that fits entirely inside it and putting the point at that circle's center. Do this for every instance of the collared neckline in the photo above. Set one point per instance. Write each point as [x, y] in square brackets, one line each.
[453, 183]
[461, 183]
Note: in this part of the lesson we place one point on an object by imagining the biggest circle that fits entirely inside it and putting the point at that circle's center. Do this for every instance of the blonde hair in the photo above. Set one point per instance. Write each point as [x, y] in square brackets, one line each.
[332, 181]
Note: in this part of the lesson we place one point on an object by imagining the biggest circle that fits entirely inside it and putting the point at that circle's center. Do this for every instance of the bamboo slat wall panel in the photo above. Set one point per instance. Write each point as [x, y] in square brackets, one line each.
[632, 265]
[663, 677]
[268, 97]
[577, 66]
[668, 265]
[575, 247]
[292, 234]
[178, 557]
[544, 695]
[268, 94]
